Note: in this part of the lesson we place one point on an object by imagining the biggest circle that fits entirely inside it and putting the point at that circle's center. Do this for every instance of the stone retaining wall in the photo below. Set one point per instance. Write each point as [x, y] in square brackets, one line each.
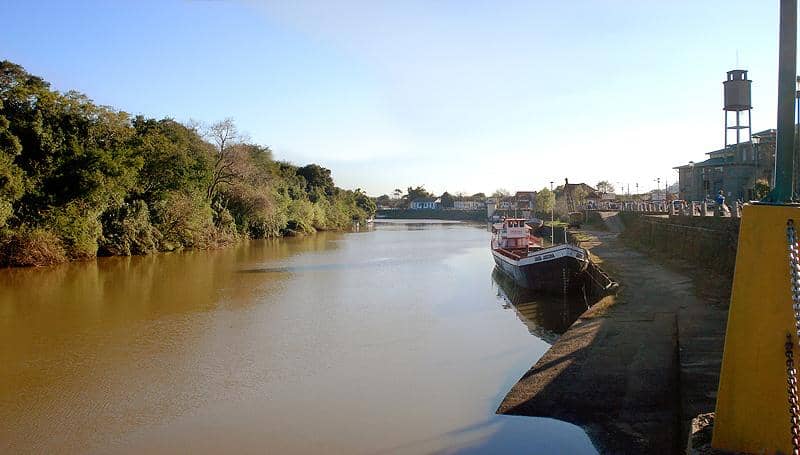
[708, 242]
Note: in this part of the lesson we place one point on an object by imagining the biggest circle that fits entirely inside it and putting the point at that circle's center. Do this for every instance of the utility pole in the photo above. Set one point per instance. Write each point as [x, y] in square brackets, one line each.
[787, 77]
[552, 216]
[759, 343]
[658, 184]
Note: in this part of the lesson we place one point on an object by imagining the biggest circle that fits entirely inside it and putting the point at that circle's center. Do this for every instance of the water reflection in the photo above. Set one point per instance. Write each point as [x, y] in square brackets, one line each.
[122, 342]
[422, 225]
[317, 267]
[547, 316]
[386, 340]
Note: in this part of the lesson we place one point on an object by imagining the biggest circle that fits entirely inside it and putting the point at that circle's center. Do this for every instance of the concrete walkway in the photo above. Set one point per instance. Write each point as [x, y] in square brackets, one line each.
[635, 368]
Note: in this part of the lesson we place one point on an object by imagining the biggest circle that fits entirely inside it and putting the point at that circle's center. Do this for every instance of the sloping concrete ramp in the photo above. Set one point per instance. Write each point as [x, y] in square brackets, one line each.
[617, 371]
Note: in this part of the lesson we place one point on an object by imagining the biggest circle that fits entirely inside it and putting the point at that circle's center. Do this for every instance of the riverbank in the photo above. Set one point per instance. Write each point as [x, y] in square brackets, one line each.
[24, 252]
[96, 181]
[636, 367]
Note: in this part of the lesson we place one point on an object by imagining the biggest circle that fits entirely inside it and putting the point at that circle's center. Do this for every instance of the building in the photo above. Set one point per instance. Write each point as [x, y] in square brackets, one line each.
[506, 203]
[571, 197]
[428, 203]
[468, 204]
[525, 200]
[733, 169]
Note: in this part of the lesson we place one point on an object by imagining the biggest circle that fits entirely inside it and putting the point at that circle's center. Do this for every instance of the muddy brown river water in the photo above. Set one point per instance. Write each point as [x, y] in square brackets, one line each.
[393, 340]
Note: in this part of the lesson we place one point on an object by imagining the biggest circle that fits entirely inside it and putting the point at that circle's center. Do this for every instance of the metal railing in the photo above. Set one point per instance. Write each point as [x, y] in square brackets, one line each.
[675, 208]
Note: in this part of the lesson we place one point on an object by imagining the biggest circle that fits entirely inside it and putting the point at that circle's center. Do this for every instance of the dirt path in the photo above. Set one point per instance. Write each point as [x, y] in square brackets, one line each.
[635, 368]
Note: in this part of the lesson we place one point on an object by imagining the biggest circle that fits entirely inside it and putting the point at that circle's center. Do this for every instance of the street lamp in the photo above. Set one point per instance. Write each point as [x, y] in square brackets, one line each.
[552, 216]
[658, 187]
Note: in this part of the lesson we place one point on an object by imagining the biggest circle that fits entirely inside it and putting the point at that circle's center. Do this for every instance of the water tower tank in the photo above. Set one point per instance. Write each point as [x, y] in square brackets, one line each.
[737, 91]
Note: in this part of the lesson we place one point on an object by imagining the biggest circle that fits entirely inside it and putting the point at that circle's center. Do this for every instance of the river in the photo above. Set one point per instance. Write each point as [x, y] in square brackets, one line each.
[397, 339]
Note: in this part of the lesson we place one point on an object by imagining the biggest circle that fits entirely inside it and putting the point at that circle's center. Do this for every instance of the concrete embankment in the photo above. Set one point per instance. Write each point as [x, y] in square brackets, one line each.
[636, 367]
[704, 242]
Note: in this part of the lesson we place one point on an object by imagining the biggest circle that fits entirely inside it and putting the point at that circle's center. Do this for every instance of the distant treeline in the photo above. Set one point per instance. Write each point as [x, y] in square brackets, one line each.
[78, 180]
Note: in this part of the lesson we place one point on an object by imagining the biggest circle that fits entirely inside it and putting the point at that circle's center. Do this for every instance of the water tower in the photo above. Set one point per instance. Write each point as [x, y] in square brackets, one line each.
[737, 99]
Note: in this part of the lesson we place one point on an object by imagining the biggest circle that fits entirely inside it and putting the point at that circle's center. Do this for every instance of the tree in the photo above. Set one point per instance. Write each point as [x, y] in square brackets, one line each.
[604, 186]
[12, 179]
[365, 203]
[397, 193]
[761, 189]
[447, 200]
[579, 195]
[319, 182]
[78, 179]
[416, 193]
[501, 193]
[174, 157]
[545, 201]
[383, 200]
[228, 159]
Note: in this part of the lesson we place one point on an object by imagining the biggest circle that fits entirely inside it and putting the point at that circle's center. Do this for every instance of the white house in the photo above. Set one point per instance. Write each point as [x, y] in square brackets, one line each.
[468, 204]
[425, 203]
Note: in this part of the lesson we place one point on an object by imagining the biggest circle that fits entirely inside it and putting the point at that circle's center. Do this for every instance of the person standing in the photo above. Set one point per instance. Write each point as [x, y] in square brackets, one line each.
[721, 203]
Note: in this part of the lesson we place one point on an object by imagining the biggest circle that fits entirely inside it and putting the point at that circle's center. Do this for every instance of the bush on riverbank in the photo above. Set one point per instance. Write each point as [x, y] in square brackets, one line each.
[31, 247]
[79, 180]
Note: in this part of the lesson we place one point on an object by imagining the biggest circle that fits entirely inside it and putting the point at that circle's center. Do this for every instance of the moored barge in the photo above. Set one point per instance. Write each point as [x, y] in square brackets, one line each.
[523, 257]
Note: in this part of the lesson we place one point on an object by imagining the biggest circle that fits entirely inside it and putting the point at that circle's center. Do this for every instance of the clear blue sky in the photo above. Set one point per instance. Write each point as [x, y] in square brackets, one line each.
[456, 95]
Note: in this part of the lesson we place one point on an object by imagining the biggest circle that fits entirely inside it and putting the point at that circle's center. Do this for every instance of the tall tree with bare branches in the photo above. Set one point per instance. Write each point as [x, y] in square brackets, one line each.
[229, 158]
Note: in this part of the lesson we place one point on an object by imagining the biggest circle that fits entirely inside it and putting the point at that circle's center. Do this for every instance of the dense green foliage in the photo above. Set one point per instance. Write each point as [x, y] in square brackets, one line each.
[78, 180]
[761, 189]
[415, 193]
[545, 201]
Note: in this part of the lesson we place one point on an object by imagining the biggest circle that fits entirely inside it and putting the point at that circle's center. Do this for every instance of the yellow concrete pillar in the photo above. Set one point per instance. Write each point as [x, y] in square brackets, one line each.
[752, 402]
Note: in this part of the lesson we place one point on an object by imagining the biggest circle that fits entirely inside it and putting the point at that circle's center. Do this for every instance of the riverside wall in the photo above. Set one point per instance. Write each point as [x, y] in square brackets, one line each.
[704, 242]
[429, 214]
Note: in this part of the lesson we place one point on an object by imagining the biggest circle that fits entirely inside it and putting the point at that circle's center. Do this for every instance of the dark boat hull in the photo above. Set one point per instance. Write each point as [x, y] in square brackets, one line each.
[559, 274]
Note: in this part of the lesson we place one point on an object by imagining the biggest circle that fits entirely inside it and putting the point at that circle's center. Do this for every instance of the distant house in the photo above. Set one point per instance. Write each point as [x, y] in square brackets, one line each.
[575, 195]
[507, 203]
[525, 200]
[468, 204]
[428, 203]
